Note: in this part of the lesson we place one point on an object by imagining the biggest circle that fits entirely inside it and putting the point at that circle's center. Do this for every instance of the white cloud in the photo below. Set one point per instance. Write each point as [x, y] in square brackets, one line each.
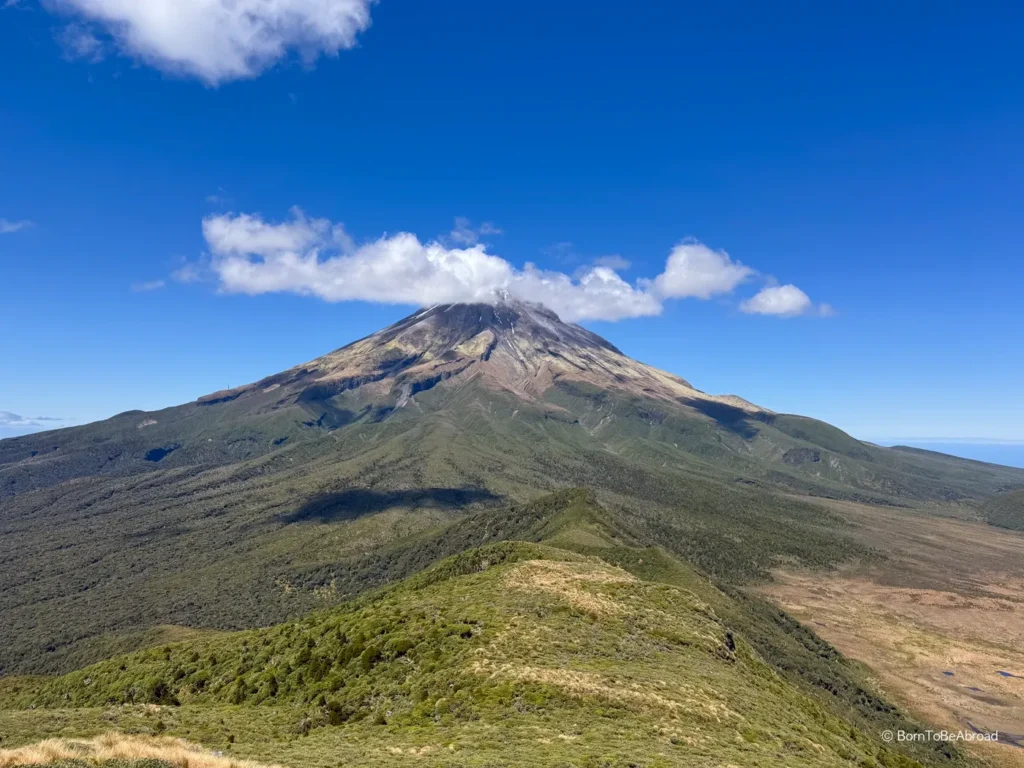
[222, 40]
[245, 233]
[8, 227]
[780, 300]
[695, 271]
[149, 285]
[317, 257]
[597, 294]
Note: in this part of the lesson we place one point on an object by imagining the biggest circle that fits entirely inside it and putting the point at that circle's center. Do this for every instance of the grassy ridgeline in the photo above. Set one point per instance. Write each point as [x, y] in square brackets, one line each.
[572, 656]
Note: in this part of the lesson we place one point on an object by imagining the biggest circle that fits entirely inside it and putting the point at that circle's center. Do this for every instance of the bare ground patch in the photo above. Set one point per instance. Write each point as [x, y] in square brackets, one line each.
[940, 621]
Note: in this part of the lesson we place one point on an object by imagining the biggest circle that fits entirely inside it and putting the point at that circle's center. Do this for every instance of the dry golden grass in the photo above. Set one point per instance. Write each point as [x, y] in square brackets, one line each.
[118, 746]
[936, 622]
[671, 701]
[573, 582]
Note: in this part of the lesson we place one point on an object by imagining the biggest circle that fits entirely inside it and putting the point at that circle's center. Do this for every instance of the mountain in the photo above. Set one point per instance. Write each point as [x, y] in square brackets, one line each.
[517, 350]
[507, 361]
[587, 647]
[258, 503]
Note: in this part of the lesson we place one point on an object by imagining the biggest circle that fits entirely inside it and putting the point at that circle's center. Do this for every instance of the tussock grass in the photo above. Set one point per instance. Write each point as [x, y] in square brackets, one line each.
[570, 581]
[119, 748]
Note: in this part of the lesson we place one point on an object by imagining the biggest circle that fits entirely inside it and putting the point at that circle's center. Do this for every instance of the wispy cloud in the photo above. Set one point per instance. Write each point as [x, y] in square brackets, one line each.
[150, 285]
[8, 227]
[219, 198]
[217, 41]
[10, 420]
[317, 257]
[464, 233]
[566, 253]
[563, 252]
[79, 42]
[189, 272]
[614, 261]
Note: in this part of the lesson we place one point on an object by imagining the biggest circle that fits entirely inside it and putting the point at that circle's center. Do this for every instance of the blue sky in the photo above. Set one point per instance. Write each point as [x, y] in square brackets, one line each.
[816, 208]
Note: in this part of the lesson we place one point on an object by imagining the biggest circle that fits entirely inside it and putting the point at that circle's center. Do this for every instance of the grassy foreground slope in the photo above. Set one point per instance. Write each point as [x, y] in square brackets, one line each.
[509, 654]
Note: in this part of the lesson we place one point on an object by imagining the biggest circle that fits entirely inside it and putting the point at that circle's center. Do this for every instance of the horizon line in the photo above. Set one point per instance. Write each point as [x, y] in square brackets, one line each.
[964, 440]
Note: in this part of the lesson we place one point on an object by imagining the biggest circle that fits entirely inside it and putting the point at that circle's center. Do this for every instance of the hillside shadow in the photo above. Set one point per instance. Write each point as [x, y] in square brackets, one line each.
[734, 419]
[356, 502]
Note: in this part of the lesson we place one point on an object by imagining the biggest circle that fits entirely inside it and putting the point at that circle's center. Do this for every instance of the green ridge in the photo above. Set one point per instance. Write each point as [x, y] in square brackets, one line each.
[539, 641]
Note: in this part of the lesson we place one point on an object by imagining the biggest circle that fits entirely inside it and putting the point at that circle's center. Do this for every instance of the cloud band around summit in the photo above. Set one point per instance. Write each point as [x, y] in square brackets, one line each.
[317, 257]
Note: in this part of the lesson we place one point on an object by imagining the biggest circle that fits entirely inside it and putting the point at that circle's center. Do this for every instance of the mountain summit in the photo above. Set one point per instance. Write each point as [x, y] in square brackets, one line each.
[514, 346]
